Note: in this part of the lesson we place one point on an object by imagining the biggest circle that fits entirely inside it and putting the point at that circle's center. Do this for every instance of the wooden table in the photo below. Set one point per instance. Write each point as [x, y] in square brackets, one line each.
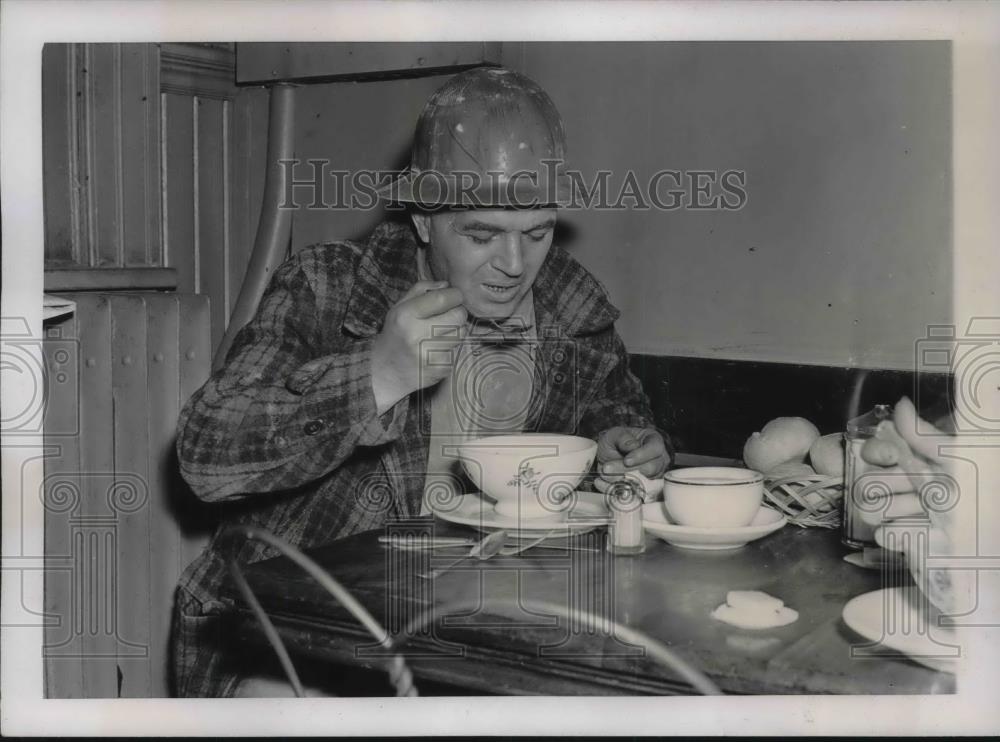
[667, 592]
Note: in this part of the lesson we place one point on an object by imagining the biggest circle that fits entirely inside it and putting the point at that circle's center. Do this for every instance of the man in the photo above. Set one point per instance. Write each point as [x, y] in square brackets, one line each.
[335, 408]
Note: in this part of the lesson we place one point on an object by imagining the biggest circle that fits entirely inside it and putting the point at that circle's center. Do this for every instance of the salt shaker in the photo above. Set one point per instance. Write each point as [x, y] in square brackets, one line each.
[625, 504]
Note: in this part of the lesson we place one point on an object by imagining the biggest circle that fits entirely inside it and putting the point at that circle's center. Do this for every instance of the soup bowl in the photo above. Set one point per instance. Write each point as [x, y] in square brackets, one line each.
[529, 476]
[713, 496]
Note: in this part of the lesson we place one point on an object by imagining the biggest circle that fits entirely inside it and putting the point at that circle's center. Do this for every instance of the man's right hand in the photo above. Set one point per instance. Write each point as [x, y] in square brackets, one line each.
[399, 351]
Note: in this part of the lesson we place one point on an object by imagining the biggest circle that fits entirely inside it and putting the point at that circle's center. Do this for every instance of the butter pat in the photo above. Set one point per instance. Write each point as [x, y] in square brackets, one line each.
[753, 600]
[753, 609]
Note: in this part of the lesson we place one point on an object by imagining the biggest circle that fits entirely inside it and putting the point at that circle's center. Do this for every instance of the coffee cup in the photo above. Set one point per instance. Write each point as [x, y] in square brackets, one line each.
[712, 496]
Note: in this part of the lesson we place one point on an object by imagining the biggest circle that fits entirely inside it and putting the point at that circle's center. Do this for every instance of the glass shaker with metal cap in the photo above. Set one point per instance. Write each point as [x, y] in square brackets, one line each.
[861, 488]
[625, 503]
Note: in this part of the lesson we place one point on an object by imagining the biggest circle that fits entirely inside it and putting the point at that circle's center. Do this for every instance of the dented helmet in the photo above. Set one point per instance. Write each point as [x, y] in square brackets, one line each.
[488, 138]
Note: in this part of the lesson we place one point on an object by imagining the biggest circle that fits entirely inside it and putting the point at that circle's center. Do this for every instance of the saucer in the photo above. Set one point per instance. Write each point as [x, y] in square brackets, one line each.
[892, 618]
[585, 514]
[709, 539]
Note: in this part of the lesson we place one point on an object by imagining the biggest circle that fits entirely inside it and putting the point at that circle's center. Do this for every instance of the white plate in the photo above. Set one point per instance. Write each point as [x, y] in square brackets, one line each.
[586, 512]
[714, 539]
[893, 618]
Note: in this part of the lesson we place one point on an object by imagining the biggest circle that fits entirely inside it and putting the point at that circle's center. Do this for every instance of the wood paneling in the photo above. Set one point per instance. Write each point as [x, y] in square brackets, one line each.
[101, 127]
[96, 279]
[178, 189]
[140, 154]
[205, 70]
[102, 95]
[59, 158]
[135, 526]
[198, 171]
[211, 208]
[214, 138]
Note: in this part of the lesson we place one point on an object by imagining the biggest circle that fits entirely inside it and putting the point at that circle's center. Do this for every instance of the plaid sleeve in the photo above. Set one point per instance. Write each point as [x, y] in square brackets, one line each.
[291, 404]
[620, 400]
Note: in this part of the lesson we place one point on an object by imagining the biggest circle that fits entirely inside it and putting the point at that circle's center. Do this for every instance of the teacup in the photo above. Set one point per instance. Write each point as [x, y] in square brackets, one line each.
[529, 476]
[713, 496]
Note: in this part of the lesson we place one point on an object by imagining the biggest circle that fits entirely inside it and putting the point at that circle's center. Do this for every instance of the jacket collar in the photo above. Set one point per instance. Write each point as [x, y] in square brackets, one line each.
[566, 296]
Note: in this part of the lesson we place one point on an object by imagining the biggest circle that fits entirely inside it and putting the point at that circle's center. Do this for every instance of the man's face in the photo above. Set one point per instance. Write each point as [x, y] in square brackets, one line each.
[491, 255]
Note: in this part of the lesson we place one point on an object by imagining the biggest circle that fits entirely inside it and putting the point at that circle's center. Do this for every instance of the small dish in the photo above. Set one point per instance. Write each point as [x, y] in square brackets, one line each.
[584, 512]
[894, 619]
[710, 539]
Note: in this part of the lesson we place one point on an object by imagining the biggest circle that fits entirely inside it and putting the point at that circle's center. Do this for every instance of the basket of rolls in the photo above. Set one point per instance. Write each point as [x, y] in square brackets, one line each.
[803, 470]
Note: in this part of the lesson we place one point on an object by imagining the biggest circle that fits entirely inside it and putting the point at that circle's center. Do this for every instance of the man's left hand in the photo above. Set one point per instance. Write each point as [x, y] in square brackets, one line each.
[899, 447]
[624, 449]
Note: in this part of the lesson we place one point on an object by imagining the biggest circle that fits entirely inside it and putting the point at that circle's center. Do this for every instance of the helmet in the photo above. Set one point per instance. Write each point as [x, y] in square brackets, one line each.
[489, 137]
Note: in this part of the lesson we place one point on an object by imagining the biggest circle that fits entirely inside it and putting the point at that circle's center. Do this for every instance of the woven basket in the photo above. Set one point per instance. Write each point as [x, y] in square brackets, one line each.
[808, 500]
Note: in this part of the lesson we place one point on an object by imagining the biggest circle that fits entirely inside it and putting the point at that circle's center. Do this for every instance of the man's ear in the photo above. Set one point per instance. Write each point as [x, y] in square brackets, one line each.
[422, 223]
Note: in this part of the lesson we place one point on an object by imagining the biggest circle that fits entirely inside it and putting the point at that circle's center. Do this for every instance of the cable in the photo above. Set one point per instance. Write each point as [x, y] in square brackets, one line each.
[399, 672]
[269, 631]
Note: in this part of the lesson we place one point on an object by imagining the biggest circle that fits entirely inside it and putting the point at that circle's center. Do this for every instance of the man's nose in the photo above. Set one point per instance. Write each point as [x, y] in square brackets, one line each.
[510, 259]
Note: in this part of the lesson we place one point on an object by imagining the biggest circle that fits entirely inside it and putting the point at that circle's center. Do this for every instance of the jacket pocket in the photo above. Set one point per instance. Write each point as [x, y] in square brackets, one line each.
[197, 648]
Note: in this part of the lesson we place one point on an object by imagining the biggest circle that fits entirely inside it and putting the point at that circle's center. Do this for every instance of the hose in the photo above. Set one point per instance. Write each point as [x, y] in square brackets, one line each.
[275, 225]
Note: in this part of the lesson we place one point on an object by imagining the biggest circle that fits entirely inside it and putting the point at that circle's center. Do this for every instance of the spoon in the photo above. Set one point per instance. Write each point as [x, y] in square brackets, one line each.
[488, 547]
[454, 542]
[514, 550]
[433, 542]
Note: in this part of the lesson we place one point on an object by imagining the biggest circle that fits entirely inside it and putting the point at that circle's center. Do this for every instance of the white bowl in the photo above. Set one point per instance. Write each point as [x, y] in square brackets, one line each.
[713, 496]
[529, 476]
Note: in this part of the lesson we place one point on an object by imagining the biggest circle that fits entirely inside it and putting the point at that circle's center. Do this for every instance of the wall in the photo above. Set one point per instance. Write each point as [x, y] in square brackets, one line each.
[214, 142]
[842, 254]
[154, 169]
[101, 123]
[354, 126]
[154, 165]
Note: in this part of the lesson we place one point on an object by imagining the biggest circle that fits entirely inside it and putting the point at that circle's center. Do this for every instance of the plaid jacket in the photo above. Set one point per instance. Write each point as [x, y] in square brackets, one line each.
[287, 431]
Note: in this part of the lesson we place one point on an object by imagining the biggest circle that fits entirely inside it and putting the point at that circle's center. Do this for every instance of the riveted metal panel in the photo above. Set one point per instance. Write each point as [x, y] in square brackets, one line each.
[195, 367]
[163, 407]
[130, 498]
[63, 500]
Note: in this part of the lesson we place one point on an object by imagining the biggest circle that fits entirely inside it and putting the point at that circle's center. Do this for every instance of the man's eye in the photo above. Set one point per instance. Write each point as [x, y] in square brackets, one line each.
[539, 236]
[480, 239]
